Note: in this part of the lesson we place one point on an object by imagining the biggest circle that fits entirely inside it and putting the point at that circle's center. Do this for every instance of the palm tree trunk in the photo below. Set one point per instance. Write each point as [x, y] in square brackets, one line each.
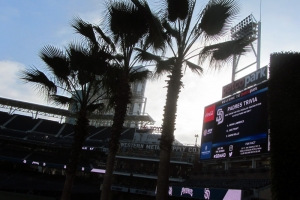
[122, 100]
[81, 131]
[167, 135]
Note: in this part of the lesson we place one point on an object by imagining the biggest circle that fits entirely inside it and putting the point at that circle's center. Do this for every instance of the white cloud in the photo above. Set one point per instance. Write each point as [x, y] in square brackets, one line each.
[12, 87]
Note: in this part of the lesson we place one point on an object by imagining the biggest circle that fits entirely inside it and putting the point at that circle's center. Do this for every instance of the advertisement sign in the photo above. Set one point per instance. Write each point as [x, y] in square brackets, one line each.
[239, 125]
[134, 145]
[256, 77]
[205, 193]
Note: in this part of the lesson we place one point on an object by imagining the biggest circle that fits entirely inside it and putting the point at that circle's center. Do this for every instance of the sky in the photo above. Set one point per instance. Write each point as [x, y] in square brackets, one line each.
[27, 26]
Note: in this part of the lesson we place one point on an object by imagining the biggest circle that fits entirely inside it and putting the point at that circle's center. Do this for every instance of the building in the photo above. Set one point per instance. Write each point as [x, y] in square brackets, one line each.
[136, 108]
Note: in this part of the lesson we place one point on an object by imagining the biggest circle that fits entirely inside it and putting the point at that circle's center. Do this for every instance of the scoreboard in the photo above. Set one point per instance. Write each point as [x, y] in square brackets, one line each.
[236, 126]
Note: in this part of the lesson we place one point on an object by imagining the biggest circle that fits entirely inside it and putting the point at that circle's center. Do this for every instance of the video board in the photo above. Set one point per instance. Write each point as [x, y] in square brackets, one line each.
[236, 126]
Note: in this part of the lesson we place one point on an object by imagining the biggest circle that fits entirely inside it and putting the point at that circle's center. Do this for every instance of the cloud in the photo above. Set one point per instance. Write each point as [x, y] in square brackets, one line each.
[12, 87]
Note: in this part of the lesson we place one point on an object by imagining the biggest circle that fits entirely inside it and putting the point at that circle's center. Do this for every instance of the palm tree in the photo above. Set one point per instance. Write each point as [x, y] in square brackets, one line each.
[73, 77]
[183, 31]
[128, 25]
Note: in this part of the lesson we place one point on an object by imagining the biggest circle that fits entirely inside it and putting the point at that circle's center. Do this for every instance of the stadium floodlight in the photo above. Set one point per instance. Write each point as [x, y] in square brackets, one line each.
[196, 136]
[247, 28]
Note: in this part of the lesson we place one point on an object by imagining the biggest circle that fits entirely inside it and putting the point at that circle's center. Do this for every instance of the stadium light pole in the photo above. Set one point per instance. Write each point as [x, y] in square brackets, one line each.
[248, 29]
[196, 136]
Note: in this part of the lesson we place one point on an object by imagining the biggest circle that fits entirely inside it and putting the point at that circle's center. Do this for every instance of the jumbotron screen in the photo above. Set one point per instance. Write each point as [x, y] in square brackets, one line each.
[236, 126]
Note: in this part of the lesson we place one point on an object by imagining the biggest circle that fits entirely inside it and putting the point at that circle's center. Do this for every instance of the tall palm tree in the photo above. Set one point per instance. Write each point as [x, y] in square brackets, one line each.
[183, 30]
[128, 24]
[72, 76]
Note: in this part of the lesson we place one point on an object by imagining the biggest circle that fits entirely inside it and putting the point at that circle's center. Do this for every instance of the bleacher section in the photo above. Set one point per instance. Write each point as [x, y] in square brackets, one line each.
[49, 127]
[45, 131]
[68, 130]
[21, 123]
[4, 117]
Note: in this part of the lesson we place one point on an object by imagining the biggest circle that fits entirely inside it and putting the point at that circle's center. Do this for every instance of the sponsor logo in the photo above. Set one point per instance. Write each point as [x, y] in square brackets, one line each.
[209, 113]
[206, 193]
[242, 83]
[207, 131]
[220, 116]
[253, 77]
[220, 155]
[170, 191]
[206, 150]
[187, 191]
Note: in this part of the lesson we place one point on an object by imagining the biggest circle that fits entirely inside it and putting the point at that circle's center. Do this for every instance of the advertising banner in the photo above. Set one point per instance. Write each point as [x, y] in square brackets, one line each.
[134, 145]
[205, 193]
[236, 126]
[256, 77]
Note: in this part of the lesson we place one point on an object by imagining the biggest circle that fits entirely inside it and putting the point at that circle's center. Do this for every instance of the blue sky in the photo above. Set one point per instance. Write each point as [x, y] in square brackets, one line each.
[26, 26]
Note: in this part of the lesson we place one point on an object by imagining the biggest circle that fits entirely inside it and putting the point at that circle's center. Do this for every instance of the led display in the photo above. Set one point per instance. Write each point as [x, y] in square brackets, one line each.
[236, 126]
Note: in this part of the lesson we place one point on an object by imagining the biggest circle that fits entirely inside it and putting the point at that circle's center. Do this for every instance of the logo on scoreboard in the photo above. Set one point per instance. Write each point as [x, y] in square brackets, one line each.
[209, 113]
[220, 116]
[206, 150]
[206, 193]
[207, 131]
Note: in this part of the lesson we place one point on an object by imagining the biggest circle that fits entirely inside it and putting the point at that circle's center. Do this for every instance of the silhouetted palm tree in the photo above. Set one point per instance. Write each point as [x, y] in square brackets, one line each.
[72, 76]
[182, 32]
[128, 24]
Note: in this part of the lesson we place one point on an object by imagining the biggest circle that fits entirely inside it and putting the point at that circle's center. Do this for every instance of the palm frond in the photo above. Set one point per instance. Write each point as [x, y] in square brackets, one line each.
[139, 75]
[177, 9]
[84, 77]
[112, 78]
[164, 67]
[61, 100]
[56, 61]
[172, 31]
[127, 21]
[145, 56]
[216, 17]
[105, 37]
[78, 55]
[155, 37]
[222, 53]
[95, 106]
[85, 29]
[194, 68]
[119, 57]
[39, 80]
